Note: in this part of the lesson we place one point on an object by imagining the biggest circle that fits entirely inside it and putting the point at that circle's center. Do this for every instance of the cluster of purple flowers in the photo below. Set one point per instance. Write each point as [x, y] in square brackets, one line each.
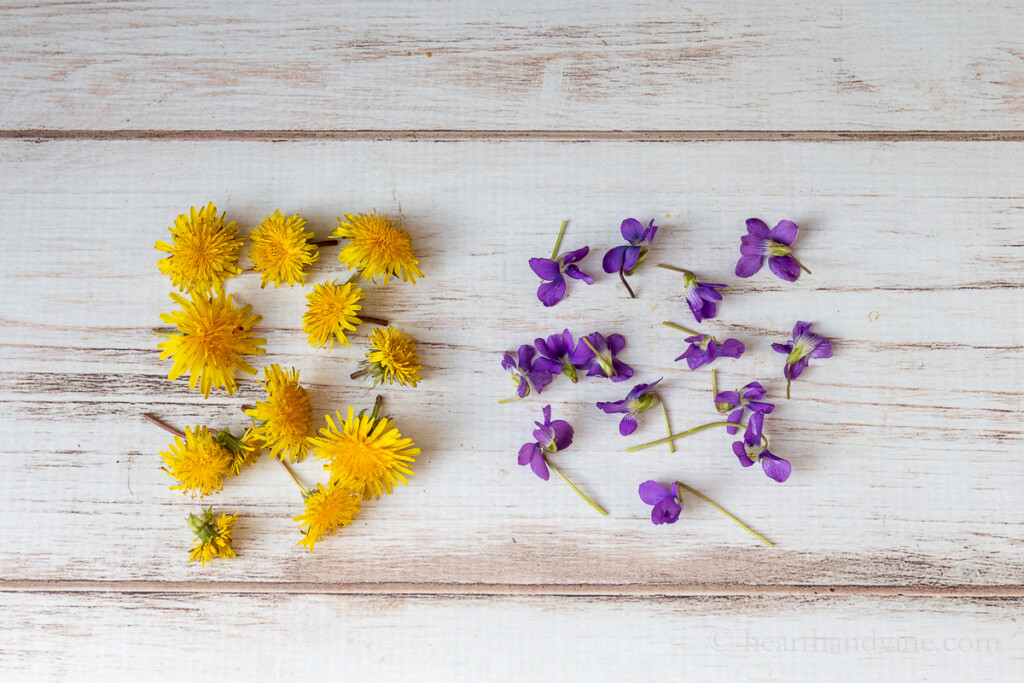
[535, 366]
[623, 260]
[560, 354]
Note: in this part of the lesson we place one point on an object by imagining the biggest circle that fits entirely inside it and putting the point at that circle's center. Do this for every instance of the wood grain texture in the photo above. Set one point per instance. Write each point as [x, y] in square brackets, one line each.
[117, 636]
[904, 445]
[600, 65]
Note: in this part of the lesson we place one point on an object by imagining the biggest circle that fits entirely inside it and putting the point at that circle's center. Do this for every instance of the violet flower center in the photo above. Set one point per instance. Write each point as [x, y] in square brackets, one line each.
[773, 248]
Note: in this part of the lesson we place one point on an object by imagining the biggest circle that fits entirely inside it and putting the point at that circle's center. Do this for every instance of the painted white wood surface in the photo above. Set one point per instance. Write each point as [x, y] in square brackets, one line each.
[311, 636]
[905, 445]
[600, 65]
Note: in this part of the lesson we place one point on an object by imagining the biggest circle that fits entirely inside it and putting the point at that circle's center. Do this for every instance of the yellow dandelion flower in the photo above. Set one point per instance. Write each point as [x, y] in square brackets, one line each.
[199, 463]
[378, 247]
[212, 339]
[280, 249]
[365, 453]
[285, 418]
[213, 536]
[330, 312]
[327, 510]
[391, 357]
[204, 250]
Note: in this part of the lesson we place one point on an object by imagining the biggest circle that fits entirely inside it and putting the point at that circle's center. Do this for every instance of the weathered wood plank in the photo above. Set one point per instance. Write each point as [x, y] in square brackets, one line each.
[903, 444]
[582, 65]
[175, 636]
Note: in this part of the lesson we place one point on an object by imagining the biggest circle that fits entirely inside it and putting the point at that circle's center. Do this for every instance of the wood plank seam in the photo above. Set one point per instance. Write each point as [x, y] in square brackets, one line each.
[506, 589]
[456, 135]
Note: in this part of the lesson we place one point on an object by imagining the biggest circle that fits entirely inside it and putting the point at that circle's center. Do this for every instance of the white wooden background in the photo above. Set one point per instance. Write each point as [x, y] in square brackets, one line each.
[891, 132]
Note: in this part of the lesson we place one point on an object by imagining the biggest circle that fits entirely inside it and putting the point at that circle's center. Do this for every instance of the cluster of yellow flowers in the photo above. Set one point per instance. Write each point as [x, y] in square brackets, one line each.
[365, 455]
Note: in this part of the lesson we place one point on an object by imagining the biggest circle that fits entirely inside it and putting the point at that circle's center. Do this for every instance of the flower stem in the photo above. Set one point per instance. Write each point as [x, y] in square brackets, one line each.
[573, 486]
[510, 400]
[726, 513]
[622, 276]
[352, 278]
[376, 321]
[722, 408]
[163, 425]
[324, 243]
[377, 403]
[668, 267]
[802, 266]
[668, 425]
[163, 333]
[789, 379]
[305, 491]
[357, 374]
[558, 241]
[681, 329]
[688, 432]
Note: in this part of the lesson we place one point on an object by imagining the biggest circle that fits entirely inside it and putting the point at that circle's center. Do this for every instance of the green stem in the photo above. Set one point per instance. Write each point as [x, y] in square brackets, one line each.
[558, 241]
[573, 486]
[163, 333]
[668, 425]
[622, 276]
[788, 379]
[681, 329]
[305, 492]
[377, 403]
[726, 513]
[688, 432]
[722, 408]
[802, 266]
[668, 267]
[352, 278]
[510, 400]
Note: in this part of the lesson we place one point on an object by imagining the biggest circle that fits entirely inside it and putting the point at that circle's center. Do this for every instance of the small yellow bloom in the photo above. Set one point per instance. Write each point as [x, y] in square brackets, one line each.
[378, 247]
[285, 418]
[204, 252]
[199, 463]
[280, 249]
[213, 336]
[365, 453]
[327, 510]
[391, 356]
[213, 536]
[331, 312]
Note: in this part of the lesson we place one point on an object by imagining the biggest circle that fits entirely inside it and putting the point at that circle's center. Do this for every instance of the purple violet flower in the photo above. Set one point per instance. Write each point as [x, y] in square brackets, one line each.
[554, 271]
[705, 349]
[668, 504]
[804, 346]
[754, 448]
[557, 355]
[701, 297]
[639, 399]
[598, 354]
[551, 436]
[775, 244]
[625, 260]
[737, 401]
[523, 373]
